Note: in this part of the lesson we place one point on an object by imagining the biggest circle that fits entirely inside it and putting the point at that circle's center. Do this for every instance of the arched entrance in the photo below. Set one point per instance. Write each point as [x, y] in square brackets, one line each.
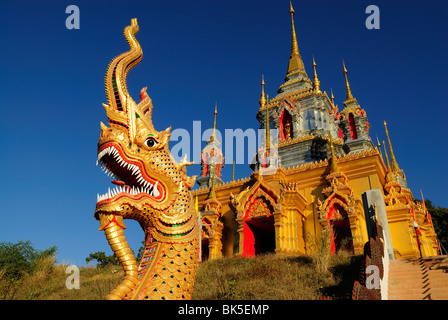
[205, 252]
[258, 229]
[261, 235]
[341, 233]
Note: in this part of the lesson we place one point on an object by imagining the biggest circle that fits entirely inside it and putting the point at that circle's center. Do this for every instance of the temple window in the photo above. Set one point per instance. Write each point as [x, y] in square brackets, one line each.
[352, 125]
[286, 131]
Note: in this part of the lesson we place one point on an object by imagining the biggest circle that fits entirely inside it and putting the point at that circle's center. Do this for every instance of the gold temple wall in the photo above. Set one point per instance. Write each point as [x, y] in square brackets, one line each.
[298, 219]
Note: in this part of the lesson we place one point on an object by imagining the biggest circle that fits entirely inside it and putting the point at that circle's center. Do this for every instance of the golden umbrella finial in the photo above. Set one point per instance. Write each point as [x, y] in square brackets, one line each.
[394, 164]
[316, 82]
[268, 131]
[295, 61]
[347, 85]
[212, 187]
[387, 158]
[333, 164]
[213, 136]
[262, 98]
[295, 46]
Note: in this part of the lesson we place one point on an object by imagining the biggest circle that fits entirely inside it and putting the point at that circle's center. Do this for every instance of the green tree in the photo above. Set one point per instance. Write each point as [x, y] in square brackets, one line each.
[141, 250]
[102, 259]
[17, 259]
[439, 218]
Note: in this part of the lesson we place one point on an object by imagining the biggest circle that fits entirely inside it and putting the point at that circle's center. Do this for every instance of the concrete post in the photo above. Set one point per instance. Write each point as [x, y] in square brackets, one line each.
[370, 198]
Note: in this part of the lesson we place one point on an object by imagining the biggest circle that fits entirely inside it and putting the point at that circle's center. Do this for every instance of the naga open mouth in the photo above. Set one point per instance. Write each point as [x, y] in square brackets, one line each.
[129, 176]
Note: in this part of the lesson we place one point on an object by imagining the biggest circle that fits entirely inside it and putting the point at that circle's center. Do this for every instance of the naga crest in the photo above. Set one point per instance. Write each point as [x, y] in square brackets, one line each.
[151, 187]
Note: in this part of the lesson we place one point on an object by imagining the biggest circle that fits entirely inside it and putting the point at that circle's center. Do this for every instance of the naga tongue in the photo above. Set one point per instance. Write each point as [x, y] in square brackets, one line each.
[118, 183]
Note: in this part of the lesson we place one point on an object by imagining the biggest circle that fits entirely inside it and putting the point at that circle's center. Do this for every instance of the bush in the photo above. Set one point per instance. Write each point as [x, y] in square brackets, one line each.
[321, 249]
[16, 261]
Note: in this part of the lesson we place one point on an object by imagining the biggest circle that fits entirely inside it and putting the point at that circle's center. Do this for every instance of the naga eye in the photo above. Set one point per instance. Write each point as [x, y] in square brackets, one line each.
[150, 142]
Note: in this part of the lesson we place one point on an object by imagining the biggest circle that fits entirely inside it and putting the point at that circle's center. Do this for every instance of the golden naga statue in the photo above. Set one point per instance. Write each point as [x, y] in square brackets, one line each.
[151, 188]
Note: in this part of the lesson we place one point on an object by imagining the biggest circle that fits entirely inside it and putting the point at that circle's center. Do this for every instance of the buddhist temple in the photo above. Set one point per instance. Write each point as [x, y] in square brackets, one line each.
[309, 178]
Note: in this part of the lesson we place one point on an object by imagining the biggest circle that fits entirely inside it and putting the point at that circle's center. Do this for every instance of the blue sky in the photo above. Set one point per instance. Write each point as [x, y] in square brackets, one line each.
[196, 53]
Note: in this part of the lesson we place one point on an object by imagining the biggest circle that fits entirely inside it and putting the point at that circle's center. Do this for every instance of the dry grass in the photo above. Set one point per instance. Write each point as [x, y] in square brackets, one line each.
[48, 283]
[266, 277]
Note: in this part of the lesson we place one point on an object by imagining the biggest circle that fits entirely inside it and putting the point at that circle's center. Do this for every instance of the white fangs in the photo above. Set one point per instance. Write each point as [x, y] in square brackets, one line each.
[145, 186]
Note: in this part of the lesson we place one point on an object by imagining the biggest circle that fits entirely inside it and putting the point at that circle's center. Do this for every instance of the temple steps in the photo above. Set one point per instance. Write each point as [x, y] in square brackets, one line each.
[419, 279]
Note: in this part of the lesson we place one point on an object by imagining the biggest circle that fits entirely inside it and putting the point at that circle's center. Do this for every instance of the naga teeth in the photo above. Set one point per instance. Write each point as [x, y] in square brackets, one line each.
[155, 192]
[150, 189]
[145, 186]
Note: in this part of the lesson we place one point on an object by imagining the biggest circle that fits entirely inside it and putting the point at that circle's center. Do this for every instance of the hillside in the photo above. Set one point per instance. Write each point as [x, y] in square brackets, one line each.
[265, 277]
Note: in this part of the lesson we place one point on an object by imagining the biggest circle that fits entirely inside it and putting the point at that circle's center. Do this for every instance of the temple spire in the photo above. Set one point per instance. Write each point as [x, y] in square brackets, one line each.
[387, 158]
[378, 144]
[347, 85]
[262, 98]
[333, 164]
[213, 136]
[233, 171]
[212, 188]
[316, 82]
[423, 202]
[268, 131]
[295, 61]
[394, 164]
[332, 96]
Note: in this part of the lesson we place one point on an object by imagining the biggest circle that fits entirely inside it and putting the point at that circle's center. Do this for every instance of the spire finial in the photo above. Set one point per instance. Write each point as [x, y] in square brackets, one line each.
[295, 46]
[268, 131]
[316, 82]
[233, 171]
[423, 202]
[349, 92]
[333, 164]
[394, 164]
[212, 187]
[332, 96]
[213, 136]
[262, 98]
[378, 144]
[295, 61]
[387, 158]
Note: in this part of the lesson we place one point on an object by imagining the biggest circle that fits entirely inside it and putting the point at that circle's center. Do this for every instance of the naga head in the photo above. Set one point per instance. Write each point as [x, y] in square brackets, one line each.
[152, 187]
[131, 150]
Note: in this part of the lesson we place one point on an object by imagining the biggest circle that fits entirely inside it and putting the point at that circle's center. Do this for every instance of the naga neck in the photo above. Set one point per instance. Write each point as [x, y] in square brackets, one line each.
[176, 224]
[166, 270]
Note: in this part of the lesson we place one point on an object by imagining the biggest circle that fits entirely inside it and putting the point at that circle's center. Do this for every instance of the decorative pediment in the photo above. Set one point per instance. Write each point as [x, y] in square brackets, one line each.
[212, 205]
[289, 105]
[336, 199]
[209, 226]
[243, 201]
[338, 183]
[338, 194]
[355, 109]
[397, 197]
[259, 208]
